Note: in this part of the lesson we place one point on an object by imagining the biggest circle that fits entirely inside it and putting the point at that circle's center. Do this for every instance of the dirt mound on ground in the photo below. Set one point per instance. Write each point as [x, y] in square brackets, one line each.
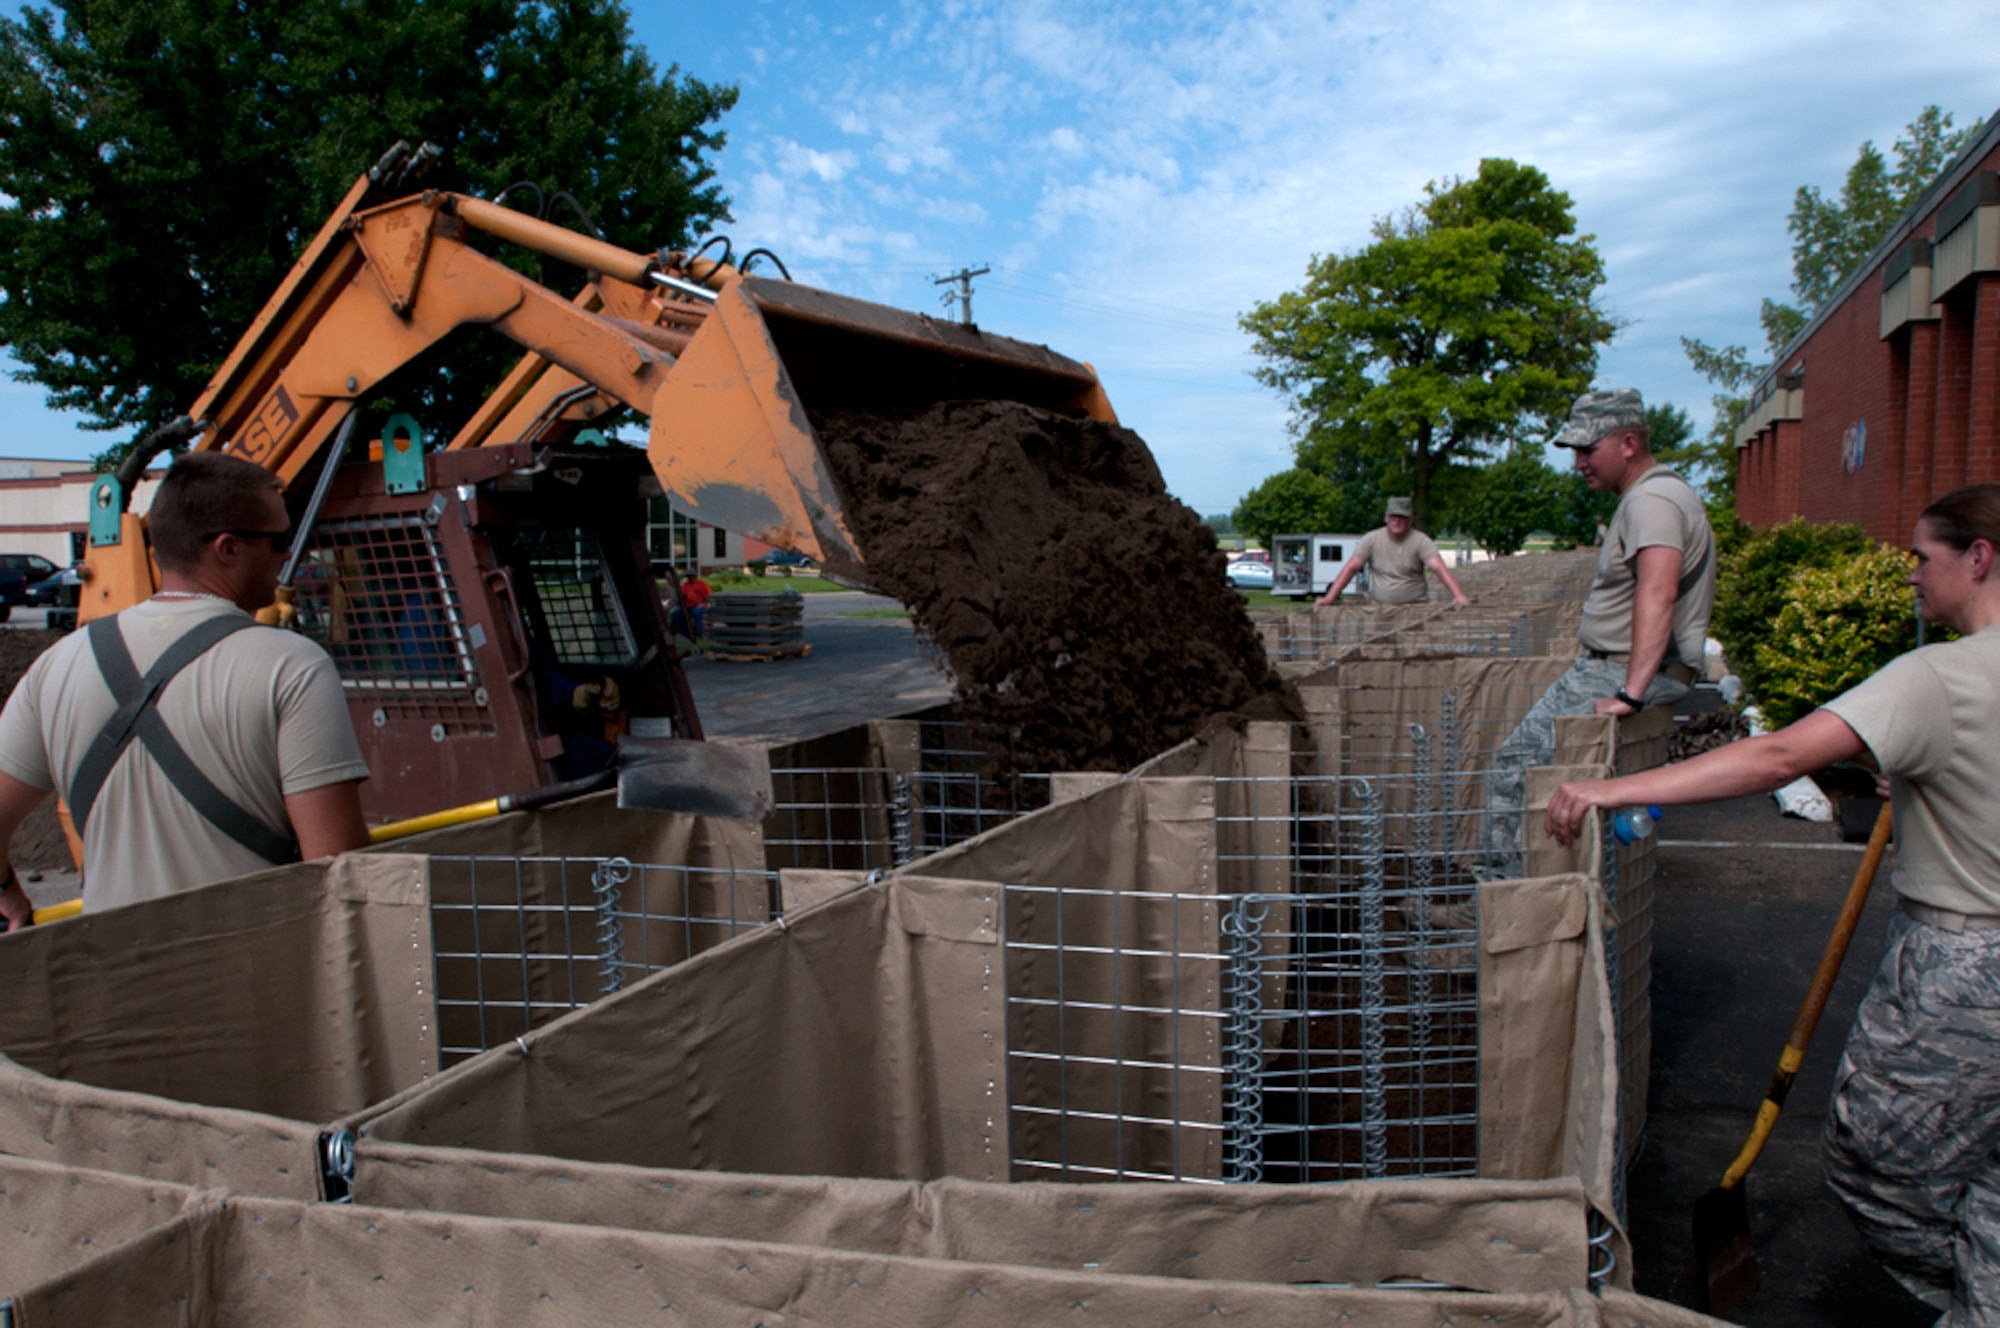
[1082, 609]
[39, 844]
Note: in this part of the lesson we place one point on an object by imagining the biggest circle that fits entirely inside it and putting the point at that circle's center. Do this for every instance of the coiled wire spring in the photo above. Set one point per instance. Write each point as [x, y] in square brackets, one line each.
[1243, 1041]
[902, 821]
[1419, 914]
[604, 881]
[1374, 996]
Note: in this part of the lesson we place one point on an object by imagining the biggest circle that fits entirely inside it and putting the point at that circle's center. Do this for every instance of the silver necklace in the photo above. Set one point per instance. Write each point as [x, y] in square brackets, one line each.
[190, 594]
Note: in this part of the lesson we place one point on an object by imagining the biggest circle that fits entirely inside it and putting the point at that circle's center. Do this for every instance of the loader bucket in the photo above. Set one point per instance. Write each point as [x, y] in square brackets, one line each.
[731, 437]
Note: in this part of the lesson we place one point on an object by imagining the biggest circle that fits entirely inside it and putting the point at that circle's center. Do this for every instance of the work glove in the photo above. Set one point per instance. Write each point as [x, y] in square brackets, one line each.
[597, 696]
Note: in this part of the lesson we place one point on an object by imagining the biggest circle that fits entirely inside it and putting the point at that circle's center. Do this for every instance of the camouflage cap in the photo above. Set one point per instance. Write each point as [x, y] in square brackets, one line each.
[1598, 413]
[1398, 507]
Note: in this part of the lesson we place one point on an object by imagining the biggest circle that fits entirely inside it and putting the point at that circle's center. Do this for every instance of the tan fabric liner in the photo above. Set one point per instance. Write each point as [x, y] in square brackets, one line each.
[261, 1261]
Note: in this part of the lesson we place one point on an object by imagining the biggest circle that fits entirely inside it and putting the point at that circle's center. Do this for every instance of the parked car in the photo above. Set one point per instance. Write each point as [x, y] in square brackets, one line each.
[1245, 574]
[59, 595]
[63, 587]
[17, 571]
[786, 558]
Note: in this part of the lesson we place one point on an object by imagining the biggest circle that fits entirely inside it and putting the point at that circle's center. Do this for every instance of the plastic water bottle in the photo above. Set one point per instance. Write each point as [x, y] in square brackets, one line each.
[1633, 824]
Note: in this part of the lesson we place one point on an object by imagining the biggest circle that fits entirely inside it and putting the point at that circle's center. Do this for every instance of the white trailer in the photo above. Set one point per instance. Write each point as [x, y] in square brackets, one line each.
[1305, 565]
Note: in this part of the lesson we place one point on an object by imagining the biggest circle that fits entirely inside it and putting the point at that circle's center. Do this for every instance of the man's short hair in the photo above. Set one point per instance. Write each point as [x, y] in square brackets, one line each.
[204, 494]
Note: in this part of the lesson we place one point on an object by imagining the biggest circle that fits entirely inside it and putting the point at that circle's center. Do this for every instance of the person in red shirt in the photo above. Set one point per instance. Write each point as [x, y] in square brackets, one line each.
[693, 611]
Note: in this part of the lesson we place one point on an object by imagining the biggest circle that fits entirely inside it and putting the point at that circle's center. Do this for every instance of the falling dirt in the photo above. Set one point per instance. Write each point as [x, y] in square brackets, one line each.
[1082, 609]
[39, 844]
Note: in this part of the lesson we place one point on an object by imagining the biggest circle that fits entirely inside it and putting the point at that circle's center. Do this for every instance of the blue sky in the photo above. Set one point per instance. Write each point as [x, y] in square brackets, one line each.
[1137, 175]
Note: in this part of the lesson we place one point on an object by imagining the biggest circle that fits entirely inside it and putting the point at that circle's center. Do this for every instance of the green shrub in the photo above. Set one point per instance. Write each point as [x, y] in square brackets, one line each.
[1840, 623]
[1754, 579]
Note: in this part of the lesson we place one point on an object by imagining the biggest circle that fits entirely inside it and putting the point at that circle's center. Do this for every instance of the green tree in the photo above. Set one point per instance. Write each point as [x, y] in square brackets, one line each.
[1469, 323]
[163, 163]
[1576, 509]
[1292, 502]
[1830, 239]
[1514, 498]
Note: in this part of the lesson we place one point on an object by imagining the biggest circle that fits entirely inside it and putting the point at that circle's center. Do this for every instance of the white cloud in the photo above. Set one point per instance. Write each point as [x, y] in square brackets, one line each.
[796, 159]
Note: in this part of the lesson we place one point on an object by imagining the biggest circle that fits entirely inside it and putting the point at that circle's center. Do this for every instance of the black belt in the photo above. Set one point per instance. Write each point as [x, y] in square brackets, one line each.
[1680, 673]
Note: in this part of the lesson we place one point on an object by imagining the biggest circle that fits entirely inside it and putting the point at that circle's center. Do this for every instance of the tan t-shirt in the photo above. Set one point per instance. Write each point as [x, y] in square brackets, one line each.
[1659, 510]
[1932, 719]
[262, 715]
[1396, 566]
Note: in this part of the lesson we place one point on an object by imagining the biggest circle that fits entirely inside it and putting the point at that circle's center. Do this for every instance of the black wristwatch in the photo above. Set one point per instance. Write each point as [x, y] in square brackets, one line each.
[1622, 695]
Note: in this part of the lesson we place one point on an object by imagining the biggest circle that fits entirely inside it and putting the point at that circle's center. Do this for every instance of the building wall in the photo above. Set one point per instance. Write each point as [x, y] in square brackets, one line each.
[49, 513]
[1923, 404]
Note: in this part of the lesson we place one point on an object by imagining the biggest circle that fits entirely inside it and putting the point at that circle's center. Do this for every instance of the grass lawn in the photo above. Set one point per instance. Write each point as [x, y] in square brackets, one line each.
[1264, 599]
[775, 582]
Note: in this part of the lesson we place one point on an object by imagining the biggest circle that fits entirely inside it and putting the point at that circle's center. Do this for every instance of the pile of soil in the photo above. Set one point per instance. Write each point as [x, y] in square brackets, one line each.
[1082, 609]
[39, 844]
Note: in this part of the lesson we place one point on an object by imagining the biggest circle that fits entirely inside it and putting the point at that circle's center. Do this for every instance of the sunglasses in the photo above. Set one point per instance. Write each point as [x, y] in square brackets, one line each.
[280, 540]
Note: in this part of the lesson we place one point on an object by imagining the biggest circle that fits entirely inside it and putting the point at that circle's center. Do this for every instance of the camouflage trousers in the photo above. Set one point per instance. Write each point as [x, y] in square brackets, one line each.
[1533, 743]
[1914, 1123]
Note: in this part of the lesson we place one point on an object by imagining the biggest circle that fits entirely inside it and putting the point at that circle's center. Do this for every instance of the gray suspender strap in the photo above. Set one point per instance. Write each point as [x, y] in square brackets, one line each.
[137, 716]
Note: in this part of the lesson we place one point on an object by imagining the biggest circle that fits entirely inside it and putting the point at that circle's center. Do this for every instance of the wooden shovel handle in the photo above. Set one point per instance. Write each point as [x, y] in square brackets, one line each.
[1822, 985]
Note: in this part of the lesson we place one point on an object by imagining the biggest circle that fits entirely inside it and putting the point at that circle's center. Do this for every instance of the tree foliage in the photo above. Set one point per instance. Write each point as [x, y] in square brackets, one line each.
[1514, 498]
[1753, 583]
[1839, 624]
[1292, 502]
[1469, 323]
[163, 164]
[1830, 239]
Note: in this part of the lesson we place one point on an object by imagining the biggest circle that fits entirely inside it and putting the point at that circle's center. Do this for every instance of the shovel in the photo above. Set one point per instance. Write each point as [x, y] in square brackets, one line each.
[1722, 1242]
[652, 774]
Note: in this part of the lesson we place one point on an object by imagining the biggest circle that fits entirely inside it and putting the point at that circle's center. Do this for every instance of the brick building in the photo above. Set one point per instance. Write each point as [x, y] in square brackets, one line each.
[1890, 396]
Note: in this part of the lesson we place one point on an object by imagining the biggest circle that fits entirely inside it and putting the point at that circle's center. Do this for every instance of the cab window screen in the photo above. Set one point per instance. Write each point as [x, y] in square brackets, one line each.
[585, 622]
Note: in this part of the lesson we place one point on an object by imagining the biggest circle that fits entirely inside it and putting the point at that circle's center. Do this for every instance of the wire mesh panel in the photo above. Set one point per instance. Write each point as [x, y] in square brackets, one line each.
[1293, 1037]
[1114, 1034]
[520, 941]
[580, 610]
[1362, 1058]
[839, 818]
[378, 595]
[964, 788]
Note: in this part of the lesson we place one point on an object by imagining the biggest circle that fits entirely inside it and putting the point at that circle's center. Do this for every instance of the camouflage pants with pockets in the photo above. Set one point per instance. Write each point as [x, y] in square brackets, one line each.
[1914, 1125]
[1533, 743]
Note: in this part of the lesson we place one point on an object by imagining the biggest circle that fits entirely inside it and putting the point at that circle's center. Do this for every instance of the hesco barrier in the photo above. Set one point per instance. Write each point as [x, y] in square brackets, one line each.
[1253, 959]
[196, 1259]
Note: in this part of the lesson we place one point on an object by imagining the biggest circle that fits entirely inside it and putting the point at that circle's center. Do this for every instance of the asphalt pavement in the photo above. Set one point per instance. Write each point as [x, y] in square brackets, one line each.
[860, 668]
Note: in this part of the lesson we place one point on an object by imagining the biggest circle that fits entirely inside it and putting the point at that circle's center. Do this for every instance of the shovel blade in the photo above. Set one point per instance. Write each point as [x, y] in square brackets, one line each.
[694, 778]
[1722, 1243]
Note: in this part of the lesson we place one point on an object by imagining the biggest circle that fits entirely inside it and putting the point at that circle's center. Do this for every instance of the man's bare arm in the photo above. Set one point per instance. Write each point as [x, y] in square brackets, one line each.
[1436, 564]
[16, 801]
[1659, 579]
[327, 819]
[1348, 571]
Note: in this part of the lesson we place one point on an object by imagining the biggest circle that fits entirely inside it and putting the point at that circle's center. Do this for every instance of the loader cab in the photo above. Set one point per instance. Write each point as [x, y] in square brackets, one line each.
[456, 614]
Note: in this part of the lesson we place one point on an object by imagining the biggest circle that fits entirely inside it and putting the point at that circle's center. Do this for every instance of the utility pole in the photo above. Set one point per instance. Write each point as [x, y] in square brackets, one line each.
[963, 277]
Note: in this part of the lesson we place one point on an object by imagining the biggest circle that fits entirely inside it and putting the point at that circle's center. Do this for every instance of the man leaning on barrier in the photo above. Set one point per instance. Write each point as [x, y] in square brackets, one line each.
[1644, 623]
[190, 743]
